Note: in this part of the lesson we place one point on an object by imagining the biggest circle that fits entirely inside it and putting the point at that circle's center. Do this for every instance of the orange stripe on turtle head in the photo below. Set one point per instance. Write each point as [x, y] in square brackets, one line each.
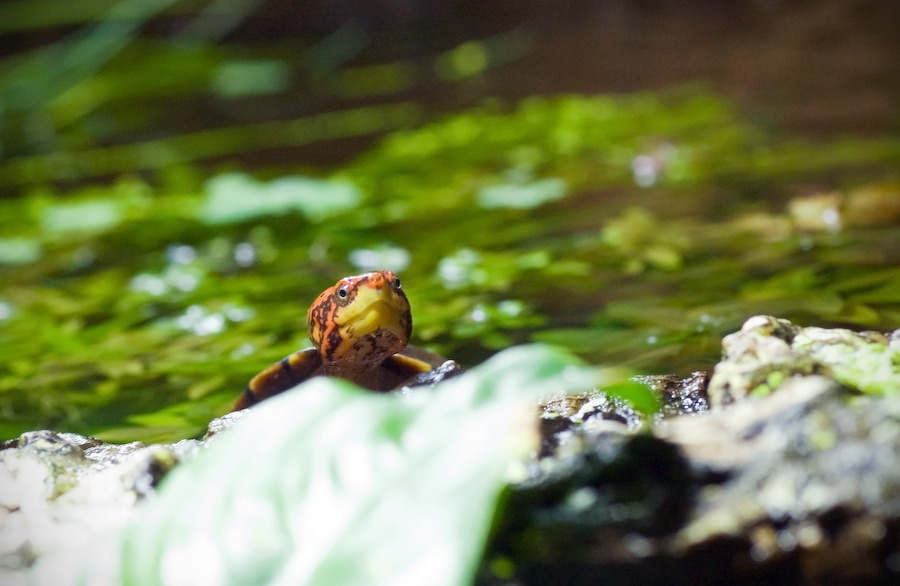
[360, 320]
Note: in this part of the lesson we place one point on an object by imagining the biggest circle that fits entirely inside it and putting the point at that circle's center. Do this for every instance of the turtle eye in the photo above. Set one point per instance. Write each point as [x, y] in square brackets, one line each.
[397, 283]
[342, 292]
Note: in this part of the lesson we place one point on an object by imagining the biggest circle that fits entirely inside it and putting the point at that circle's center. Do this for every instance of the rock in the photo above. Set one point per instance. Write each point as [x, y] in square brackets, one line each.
[679, 396]
[798, 487]
[792, 476]
[63, 496]
[565, 420]
[767, 351]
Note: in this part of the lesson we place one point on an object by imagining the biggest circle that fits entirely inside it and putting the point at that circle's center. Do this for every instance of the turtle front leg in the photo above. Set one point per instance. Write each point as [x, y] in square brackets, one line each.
[281, 376]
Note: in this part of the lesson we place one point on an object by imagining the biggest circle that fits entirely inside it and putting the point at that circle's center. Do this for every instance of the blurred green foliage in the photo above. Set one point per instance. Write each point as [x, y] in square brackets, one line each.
[634, 230]
[142, 86]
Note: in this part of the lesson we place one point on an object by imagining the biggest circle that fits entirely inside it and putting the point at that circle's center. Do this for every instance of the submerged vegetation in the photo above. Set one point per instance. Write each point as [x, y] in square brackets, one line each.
[633, 230]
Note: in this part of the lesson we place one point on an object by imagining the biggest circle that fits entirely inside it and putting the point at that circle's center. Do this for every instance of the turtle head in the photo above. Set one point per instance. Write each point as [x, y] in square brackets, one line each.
[361, 320]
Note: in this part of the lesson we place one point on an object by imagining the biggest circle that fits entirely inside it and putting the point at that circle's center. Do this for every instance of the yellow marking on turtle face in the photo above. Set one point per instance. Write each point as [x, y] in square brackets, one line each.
[371, 311]
[362, 326]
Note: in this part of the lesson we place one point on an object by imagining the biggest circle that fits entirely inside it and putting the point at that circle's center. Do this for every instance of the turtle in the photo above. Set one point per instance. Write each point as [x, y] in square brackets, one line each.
[360, 328]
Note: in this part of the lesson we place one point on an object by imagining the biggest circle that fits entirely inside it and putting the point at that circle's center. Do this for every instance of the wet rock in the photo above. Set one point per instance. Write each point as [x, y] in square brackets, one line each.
[63, 495]
[443, 371]
[220, 424]
[809, 488]
[801, 472]
[767, 351]
[565, 420]
[798, 487]
[793, 476]
[679, 396]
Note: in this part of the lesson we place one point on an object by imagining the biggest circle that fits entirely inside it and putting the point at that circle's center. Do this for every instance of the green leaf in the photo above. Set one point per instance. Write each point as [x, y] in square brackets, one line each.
[19, 251]
[637, 394]
[250, 77]
[522, 196]
[84, 216]
[236, 197]
[330, 485]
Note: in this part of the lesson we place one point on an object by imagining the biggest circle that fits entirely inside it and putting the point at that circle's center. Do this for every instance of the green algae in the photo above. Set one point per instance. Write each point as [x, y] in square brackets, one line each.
[648, 226]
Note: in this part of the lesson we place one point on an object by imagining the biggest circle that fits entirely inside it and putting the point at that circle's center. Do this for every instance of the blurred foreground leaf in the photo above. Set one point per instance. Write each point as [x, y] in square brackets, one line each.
[329, 485]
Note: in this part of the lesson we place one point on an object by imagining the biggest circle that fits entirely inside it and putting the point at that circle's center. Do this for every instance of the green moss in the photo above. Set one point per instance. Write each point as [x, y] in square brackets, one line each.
[871, 367]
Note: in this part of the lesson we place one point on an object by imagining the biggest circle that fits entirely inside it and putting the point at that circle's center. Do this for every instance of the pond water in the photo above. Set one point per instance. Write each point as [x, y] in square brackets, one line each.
[151, 264]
